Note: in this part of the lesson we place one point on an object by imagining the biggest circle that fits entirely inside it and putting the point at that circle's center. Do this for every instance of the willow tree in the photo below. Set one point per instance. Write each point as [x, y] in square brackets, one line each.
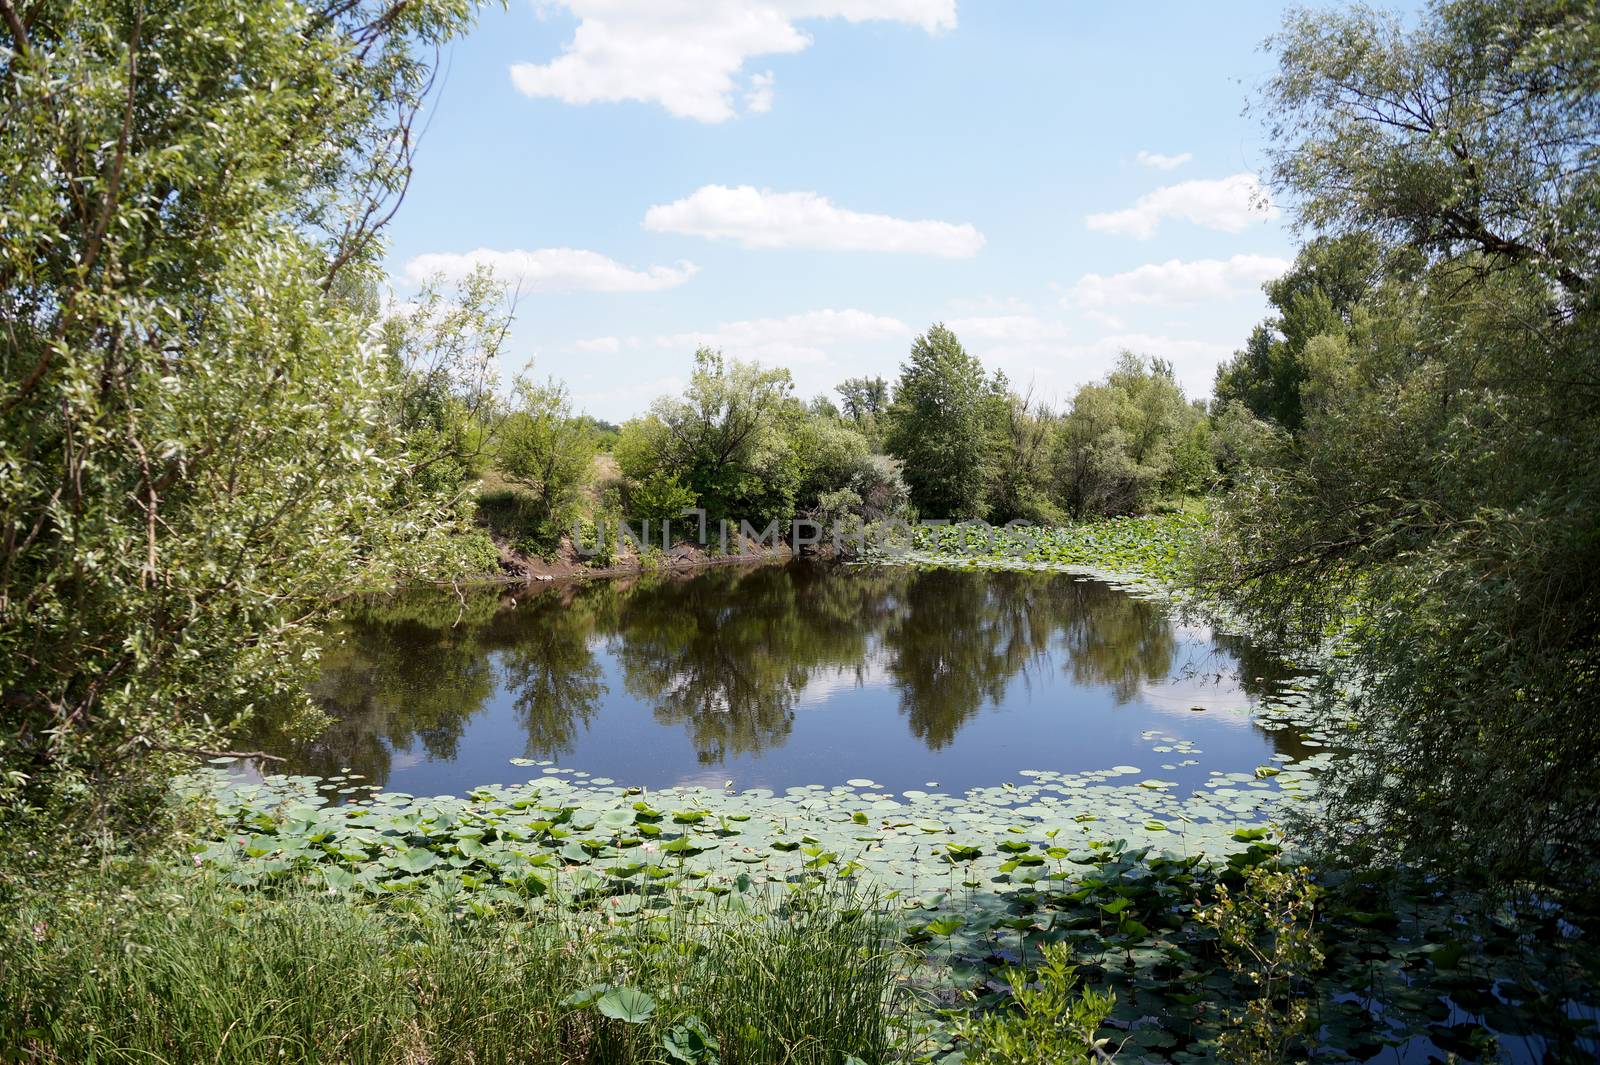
[197, 447]
[1440, 501]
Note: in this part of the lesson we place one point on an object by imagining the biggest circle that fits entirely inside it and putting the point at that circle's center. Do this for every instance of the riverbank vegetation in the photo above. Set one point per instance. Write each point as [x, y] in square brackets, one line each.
[200, 448]
[150, 966]
[215, 426]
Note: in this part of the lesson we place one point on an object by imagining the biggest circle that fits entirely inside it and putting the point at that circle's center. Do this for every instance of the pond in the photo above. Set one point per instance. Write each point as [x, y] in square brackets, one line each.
[785, 675]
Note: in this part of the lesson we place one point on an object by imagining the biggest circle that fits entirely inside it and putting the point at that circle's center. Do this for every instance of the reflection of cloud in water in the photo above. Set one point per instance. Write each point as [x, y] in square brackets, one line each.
[1223, 700]
[824, 683]
[406, 759]
[702, 780]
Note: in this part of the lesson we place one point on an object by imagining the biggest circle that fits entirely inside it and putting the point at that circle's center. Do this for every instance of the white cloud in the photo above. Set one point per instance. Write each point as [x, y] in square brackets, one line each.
[1007, 328]
[758, 98]
[988, 304]
[687, 54]
[621, 397]
[552, 269]
[761, 218]
[1194, 362]
[1105, 321]
[811, 337]
[822, 347]
[1057, 367]
[603, 345]
[1229, 204]
[1054, 358]
[1164, 162]
[1176, 281]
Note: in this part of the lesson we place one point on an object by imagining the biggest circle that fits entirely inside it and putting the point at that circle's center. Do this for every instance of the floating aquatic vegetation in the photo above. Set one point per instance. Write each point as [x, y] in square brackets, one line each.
[1115, 863]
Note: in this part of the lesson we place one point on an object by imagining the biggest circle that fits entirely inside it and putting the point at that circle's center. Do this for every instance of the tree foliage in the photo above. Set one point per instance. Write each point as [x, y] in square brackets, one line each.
[547, 452]
[1475, 133]
[197, 442]
[1439, 502]
[442, 348]
[1128, 438]
[939, 426]
[728, 440]
[1317, 297]
[1024, 439]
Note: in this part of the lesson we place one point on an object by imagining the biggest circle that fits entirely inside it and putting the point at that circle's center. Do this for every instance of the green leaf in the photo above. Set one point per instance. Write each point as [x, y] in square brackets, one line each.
[627, 1004]
[587, 997]
[412, 860]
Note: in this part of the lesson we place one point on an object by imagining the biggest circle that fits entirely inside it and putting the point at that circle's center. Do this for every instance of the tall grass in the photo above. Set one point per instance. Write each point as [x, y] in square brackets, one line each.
[192, 969]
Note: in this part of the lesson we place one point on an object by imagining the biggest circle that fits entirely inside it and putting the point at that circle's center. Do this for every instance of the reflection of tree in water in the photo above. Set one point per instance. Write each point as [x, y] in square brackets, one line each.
[1261, 674]
[544, 654]
[395, 675]
[1258, 671]
[727, 653]
[1113, 639]
[958, 639]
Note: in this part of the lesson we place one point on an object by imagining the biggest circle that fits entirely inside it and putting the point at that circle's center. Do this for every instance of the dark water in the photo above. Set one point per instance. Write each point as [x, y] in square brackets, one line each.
[784, 675]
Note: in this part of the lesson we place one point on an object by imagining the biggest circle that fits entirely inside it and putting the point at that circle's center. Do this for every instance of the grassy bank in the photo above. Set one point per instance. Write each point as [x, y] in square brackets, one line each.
[188, 967]
[418, 953]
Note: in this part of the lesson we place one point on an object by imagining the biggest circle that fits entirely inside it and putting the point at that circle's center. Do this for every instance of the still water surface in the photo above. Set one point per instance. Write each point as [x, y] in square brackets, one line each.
[780, 676]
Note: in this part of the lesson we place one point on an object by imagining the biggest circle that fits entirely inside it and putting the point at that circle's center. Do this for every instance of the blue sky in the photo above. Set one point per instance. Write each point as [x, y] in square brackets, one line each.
[810, 183]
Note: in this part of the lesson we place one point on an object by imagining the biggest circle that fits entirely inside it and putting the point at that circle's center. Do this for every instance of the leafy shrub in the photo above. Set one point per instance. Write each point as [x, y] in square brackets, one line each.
[1269, 942]
[659, 497]
[547, 452]
[1048, 1022]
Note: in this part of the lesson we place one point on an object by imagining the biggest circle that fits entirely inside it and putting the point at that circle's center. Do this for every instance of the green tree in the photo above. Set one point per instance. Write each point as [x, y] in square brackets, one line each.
[939, 427]
[833, 455]
[442, 348]
[189, 464]
[866, 402]
[547, 452]
[1330, 278]
[1440, 502]
[1472, 138]
[1024, 444]
[1128, 438]
[728, 439]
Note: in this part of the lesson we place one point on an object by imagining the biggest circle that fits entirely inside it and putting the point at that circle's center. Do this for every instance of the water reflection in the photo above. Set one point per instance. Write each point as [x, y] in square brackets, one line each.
[656, 680]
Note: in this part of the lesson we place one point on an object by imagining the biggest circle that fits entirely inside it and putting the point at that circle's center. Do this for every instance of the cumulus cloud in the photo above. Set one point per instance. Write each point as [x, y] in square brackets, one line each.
[990, 304]
[761, 218]
[552, 270]
[686, 55]
[810, 337]
[1228, 204]
[1176, 281]
[1006, 328]
[758, 97]
[1194, 362]
[822, 347]
[1055, 360]
[1164, 162]
[604, 345]
[620, 396]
